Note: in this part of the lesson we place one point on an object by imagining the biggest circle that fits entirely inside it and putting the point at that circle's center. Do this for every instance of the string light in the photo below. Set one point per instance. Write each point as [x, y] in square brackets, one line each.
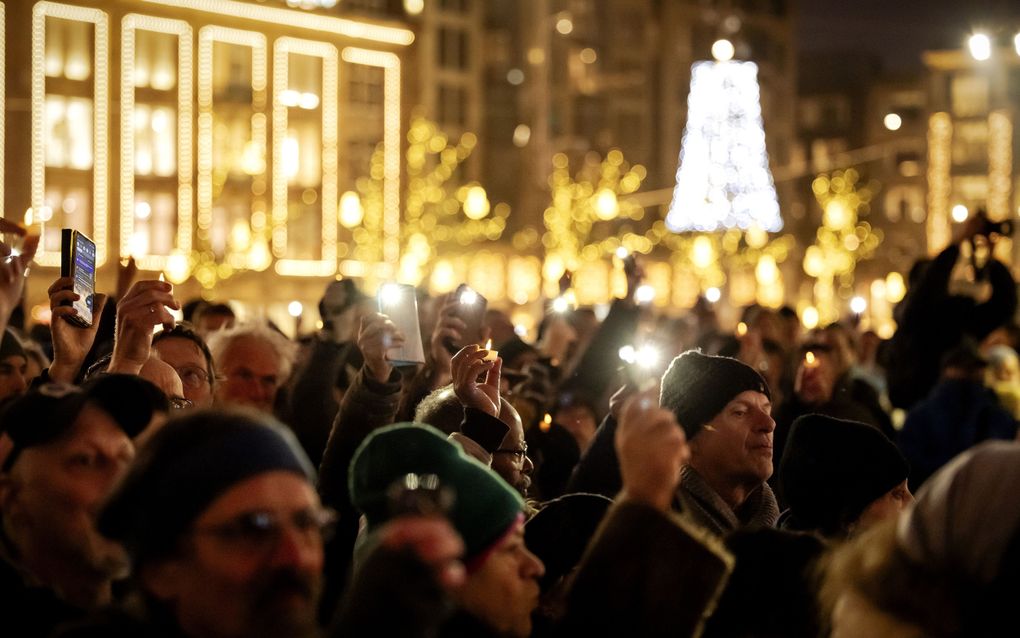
[1000, 163]
[3, 98]
[131, 24]
[316, 22]
[282, 50]
[724, 180]
[940, 137]
[100, 118]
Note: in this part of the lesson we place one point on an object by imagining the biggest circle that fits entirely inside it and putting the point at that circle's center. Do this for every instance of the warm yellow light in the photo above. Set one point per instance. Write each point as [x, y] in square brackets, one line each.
[560, 305]
[606, 205]
[892, 121]
[100, 65]
[564, 26]
[858, 305]
[390, 62]
[895, 287]
[351, 211]
[980, 46]
[810, 360]
[741, 329]
[644, 294]
[809, 318]
[756, 236]
[177, 267]
[546, 424]
[414, 7]
[588, 55]
[295, 308]
[522, 135]
[722, 50]
[315, 22]
[713, 295]
[766, 272]
[960, 213]
[476, 203]
[836, 216]
[702, 252]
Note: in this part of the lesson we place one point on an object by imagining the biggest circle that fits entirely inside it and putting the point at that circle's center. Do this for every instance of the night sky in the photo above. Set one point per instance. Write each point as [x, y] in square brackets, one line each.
[899, 30]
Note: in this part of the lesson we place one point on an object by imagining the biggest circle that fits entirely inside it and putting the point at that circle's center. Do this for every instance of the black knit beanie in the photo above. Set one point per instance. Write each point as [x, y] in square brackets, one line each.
[185, 466]
[833, 469]
[697, 386]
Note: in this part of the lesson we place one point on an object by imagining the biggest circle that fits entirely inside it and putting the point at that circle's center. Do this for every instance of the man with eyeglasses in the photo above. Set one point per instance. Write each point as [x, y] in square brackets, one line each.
[224, 528]
[255, 361]
[187, 353]
[489, 420]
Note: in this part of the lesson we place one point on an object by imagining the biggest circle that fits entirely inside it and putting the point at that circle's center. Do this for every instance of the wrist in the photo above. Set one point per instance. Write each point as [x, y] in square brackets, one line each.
[379, 370]
[651, 496]
[63, 371]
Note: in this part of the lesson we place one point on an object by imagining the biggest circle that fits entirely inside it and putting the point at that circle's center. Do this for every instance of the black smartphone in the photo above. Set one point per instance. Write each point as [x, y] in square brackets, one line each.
[78, 261]
[471, 310]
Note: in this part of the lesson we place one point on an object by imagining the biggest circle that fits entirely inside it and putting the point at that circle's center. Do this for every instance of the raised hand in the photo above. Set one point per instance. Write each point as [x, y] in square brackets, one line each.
[142, 309]
[376, 336]
[468, 366]
[651, 448]
[71, 342]
[13, 269]
[449, 329]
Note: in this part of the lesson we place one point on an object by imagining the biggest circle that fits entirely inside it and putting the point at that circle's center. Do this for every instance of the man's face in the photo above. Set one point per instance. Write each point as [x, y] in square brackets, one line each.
[13, 381]
[251, 371]
[511, 460]
[504, 591]
[52, 492]
[816, 376]
[737, 443]
[237, 578]
[888, 506]
[187, 359]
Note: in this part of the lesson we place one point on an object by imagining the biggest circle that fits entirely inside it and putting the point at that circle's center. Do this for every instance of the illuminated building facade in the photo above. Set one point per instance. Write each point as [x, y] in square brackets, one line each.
[971, 138]
[207, 138]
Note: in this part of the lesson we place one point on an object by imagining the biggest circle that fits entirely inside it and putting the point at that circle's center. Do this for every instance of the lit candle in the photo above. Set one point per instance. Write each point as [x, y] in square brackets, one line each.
[490, 354]
[546, 424]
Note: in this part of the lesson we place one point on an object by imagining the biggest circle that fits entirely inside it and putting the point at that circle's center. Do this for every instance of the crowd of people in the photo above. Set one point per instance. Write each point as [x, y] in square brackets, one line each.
[634, 474]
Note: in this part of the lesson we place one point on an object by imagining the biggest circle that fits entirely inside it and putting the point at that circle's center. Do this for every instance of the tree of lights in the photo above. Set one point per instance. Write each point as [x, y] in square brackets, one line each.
[724, 180]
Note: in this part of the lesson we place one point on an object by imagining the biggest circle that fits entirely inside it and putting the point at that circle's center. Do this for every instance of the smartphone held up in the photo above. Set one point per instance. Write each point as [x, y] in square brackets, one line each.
[78, 261]
[399, 302]
[471, 308]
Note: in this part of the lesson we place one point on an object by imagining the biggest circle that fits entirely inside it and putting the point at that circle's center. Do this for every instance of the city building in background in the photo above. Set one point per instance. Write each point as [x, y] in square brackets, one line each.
[206, 138]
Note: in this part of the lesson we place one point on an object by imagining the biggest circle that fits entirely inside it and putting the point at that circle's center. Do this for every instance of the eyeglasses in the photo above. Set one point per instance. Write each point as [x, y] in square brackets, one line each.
[180, 403]
[261, 530]
[519, 454]
[193, 377]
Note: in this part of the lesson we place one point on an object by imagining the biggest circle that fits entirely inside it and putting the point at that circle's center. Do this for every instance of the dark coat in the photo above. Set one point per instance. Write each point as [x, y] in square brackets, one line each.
[958, 415]
[29, 611]
[931, 322]
[646, 574]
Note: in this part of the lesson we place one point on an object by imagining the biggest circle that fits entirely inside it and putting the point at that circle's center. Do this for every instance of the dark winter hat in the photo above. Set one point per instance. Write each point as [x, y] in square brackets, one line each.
[833, 469]
[46, 413]
[185, 466]
[484, 507]
[10, 345]
[559, 533]
[696, 387]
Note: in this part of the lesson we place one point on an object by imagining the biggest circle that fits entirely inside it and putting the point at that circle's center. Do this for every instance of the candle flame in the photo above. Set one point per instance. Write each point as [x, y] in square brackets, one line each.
[546, 422]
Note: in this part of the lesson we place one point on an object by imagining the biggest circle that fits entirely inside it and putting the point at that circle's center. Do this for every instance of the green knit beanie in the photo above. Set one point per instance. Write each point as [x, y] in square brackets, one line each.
[484, 506]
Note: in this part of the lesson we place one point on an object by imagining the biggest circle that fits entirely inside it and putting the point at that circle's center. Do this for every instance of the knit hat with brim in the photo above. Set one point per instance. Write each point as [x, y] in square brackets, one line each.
[696, 387]
[832, 469]
[483, 506]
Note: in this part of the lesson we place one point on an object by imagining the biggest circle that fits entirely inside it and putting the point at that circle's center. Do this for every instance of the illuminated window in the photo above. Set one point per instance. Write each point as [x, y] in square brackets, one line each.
[68, 49]
[969, 95]
[68, 132]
